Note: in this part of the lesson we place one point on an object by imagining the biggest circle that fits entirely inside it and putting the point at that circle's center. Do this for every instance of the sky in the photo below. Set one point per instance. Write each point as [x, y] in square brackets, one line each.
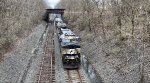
[52, 3]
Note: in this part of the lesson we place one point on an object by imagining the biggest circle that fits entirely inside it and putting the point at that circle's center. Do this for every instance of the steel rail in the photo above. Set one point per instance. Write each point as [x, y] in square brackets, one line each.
[47, 71]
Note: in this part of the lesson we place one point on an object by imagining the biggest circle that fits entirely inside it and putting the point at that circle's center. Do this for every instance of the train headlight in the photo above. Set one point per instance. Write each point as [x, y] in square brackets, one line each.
[66, 57]
[76, 56]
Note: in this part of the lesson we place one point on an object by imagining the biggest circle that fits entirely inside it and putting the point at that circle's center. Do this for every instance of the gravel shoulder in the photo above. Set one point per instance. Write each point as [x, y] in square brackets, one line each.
[59, 74]
[17, 63]
[38, 52]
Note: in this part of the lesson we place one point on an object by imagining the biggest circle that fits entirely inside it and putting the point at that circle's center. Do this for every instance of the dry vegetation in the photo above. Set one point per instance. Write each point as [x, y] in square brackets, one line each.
[17, 20]
[119, 29]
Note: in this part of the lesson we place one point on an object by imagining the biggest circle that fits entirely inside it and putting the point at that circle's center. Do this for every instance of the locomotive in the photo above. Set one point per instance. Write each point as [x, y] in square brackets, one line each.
[71, 57]
[69, 38]
[69, 45]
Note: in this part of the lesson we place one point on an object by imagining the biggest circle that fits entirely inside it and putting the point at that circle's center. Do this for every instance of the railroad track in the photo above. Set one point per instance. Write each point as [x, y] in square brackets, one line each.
[75, 76]
[47, 64]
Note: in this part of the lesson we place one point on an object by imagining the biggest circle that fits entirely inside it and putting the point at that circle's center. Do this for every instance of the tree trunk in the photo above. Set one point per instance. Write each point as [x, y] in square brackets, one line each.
[133, 23]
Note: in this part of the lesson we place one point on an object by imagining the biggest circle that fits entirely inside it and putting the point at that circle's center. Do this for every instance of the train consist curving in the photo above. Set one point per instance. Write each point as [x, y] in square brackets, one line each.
[69, 44]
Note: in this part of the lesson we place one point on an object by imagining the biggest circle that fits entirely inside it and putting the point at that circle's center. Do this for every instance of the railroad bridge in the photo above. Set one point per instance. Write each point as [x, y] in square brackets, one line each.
[51, 14]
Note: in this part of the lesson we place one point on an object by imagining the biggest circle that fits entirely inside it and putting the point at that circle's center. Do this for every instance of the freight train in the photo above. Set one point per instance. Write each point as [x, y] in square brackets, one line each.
[69, 45]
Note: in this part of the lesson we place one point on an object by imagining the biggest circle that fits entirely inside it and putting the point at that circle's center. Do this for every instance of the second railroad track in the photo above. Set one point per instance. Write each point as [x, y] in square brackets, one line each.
[47, 64]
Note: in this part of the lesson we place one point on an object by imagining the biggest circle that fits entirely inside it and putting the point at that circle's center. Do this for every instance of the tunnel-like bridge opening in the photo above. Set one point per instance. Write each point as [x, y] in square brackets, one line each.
[51, 14]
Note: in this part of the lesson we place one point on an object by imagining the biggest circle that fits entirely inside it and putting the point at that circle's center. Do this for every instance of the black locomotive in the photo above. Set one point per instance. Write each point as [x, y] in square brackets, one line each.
[70, 45]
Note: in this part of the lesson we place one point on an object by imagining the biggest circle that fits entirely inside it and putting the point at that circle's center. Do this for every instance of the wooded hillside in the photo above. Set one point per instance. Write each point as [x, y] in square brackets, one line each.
[116, 36]
[17, 20]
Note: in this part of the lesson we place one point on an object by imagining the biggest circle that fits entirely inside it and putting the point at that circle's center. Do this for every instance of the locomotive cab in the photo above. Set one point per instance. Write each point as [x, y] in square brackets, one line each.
[71, 57]
[71, 60]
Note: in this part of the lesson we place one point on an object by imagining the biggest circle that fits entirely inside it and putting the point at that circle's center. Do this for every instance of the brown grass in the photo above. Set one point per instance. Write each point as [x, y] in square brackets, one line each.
[18, 18]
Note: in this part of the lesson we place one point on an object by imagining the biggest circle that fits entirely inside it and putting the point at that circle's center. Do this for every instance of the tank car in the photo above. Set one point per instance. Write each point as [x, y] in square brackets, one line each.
[61, 25]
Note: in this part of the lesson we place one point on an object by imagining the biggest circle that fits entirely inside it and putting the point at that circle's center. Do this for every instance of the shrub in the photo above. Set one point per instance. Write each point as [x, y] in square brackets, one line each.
[5, 43]
[82, 25]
